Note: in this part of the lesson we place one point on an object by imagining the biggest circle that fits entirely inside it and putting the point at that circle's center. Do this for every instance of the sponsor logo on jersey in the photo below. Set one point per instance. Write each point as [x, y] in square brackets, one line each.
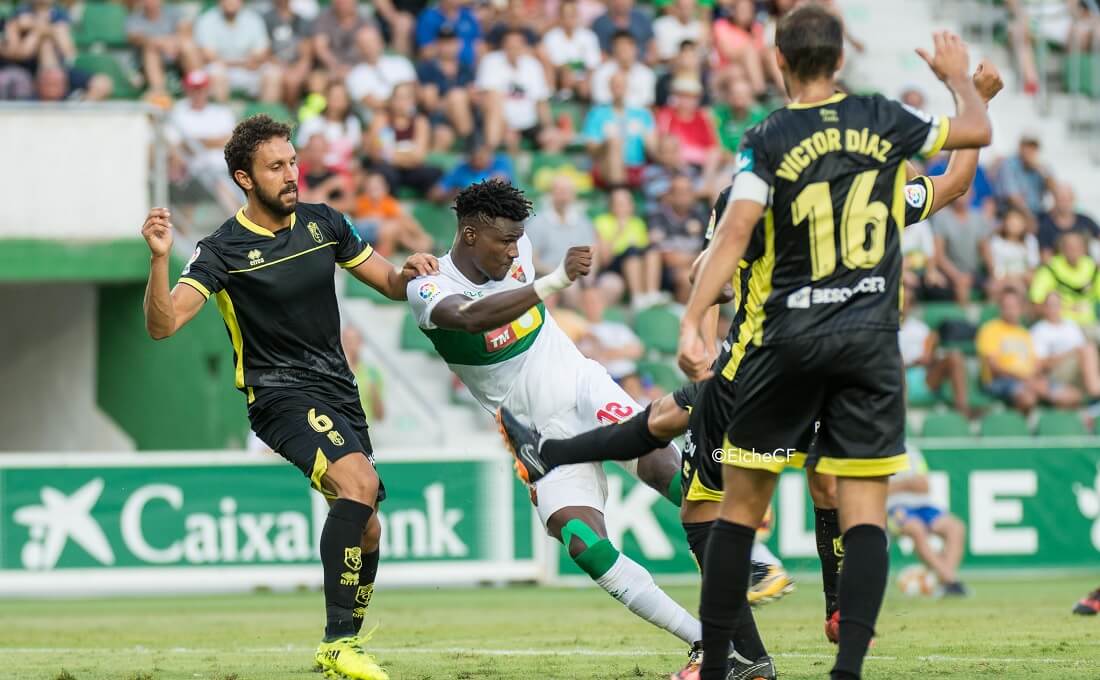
[255, 257]
[496, 340]
[916, 194]
[315, 231]
[194, 256]
[829, 116]
[428, 291]
[745, 161]
[806, 296]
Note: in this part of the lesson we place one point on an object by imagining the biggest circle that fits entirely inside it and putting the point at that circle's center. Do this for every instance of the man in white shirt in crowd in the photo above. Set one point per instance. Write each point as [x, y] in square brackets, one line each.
[573, 51]
[679, 24]
[515, 97]
[1066, 356]
[371, 81]
[233, 40]
[641, 84]
[927, 365]
[198, 130]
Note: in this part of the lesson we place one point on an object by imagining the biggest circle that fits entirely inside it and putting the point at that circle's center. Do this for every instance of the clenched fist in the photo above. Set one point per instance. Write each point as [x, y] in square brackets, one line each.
[987, 80]
[157, 232]
[578, 262]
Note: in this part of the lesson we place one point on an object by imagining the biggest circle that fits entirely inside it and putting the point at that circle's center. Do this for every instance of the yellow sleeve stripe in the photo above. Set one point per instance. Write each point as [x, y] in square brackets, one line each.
[941, 137]
[358, 259]
[930, 187]
[196, 285]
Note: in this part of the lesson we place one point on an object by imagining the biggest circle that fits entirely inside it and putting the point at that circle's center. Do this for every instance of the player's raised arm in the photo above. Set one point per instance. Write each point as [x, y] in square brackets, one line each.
[378, 273]
[165, 312]
[458, 312]
[970, 127]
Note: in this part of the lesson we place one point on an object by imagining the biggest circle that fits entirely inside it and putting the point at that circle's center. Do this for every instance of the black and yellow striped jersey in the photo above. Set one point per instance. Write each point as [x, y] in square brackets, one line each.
[276, 293]
[832, 178]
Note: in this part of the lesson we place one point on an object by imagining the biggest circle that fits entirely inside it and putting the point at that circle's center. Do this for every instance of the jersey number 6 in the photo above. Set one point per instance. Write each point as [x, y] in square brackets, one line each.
[858, 248]
[320, 423]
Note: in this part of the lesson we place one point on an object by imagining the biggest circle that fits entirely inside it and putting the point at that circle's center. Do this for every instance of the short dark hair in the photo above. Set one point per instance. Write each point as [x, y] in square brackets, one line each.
[622, 34]
[483, 202]
[688, 44]
[811, 39]
[249, 134]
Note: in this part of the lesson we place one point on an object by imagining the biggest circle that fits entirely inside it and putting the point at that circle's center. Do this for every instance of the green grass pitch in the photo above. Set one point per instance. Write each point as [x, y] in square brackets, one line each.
[1010, 629]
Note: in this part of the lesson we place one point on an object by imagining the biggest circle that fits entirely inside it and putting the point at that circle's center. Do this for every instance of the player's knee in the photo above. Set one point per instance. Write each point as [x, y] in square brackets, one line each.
[354, 478]
[822, 489]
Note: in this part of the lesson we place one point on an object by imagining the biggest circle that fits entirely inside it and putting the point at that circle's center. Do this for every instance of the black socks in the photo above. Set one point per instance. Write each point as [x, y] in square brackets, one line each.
[830, 550]
[342, 560]
[723, 609]
[862, 586]
[697, 534]
[627, 440]
[367, 574]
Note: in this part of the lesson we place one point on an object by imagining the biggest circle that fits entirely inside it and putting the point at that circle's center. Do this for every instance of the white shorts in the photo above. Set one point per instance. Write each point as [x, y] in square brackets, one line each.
[600, 401]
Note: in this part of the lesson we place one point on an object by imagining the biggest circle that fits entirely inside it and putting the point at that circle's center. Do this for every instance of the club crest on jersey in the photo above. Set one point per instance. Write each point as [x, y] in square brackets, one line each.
[315, 232]
[916, 195]
[518, 274]
[255, 257]
[194, 256]
[428, 291]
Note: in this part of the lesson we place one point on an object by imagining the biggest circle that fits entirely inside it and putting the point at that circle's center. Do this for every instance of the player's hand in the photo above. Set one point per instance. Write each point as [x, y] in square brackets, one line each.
[950, 59]
[420, 264]
[578, 262]
[157, 232]
[987, 80]
[691, 355]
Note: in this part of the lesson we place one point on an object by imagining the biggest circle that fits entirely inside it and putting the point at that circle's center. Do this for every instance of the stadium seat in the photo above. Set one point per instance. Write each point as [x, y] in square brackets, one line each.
[917, 394]
[412, 340]
[935, 313]
[615, 314]
[96, 62]
[945, 425]
[103, 23]
[1060, 424]
[663, 374]
[1004, 424]
[976, 396]
[659, 329]
[444, 160]
[273, 109]
[437, 220]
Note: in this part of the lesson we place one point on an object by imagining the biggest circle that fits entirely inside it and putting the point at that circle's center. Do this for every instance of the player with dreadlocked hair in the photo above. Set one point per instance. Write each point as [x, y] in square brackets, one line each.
[487, 319]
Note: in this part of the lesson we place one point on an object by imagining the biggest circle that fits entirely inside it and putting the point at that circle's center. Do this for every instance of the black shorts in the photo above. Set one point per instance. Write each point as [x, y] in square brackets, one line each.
[709, 403]
[311, 431]
[851, 381]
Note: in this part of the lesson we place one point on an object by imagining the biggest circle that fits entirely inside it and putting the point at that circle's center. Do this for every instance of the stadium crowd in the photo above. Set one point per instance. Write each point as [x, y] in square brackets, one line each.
[621, 118]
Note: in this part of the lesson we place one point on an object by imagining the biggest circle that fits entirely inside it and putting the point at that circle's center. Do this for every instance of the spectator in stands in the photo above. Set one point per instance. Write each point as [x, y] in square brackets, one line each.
[959, 233]
[1010, 367]
[334, 36]
[55, 84]
[382, 221]
[482, 163]
[368, 378]
[688, 122]
[676, 231]
[739, 39]
[981, 194]
[560, 223]
[291, 47]
[927, 365]
[573, 53]
[736, 115]
[666, 165]
[1062, 218]
[1067, 357]
[617, 136]
[37, 36]
[680, 23]
[234, 43]
[397, 20]
[199, 129]
[375, 75]
[913, 97]
[399, 140]
[921, 270]
[640, 81]
[622, 16]
[319, 183]
[617, 348]
[1062, 23]
[689, 65]
[515, 97]
[460, 18]
[162, 36]
[445, 91]
[1022, 181]
[514, 16]
[624, 246]
[1074, 275]
[1011, 254]
[15, 80]
[340, 127]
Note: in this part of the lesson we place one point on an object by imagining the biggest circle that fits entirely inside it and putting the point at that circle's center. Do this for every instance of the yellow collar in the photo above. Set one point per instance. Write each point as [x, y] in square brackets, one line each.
[257, 229]
[824, 102]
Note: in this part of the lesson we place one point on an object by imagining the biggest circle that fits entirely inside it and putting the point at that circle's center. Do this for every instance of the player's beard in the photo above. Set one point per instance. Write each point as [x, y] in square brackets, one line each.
[275, 204]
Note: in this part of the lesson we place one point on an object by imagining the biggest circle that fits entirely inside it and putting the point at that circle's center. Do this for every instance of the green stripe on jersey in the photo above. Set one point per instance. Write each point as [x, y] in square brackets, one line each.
[491, 347]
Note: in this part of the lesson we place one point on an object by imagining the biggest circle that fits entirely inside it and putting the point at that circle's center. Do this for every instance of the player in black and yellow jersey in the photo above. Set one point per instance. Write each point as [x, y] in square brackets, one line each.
[827, 175]
[270, 269]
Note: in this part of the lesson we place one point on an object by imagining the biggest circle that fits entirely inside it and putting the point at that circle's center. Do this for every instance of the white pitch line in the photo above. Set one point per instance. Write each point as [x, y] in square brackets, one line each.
[299, 649]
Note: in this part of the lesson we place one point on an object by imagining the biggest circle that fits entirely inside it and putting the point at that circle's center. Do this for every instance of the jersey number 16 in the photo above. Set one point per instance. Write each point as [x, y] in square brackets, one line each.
[862, 225]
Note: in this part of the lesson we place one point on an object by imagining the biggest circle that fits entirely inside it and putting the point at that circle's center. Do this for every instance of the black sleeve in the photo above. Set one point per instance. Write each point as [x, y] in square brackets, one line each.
[919, 195]
[351, 249]
[716, 213]
[913, 132]
[206, 271]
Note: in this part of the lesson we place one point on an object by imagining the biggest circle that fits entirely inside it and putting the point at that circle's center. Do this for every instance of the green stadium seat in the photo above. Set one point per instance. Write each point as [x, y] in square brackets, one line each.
[945, 425]
[412, 339]
[935, 313]
[1060, 424]
[106, 64]
[103, 23]
[976, 396]
[273, 109]
[917, 394]
[1004, 424]
[444, 160]
[615, 314]
[989, 312]
[663, 374]
[659, 329]
[437, 220]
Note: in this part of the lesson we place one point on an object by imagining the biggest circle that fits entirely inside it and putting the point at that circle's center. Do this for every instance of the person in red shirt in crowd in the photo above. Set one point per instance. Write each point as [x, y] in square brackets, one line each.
[688, 122]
